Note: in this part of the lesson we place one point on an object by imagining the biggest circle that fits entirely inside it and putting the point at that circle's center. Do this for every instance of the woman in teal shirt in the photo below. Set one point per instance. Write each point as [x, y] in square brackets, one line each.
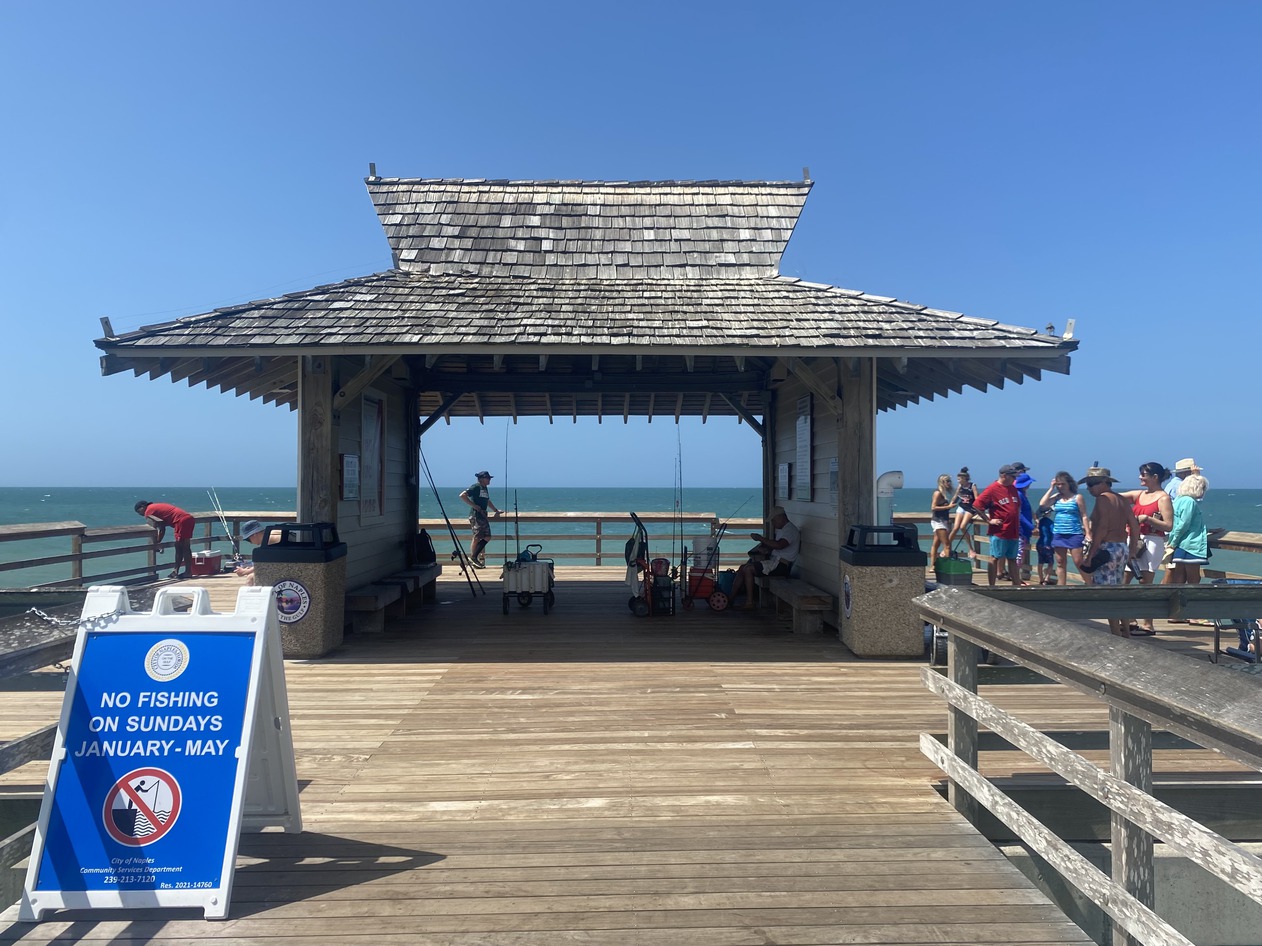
[1187, 544]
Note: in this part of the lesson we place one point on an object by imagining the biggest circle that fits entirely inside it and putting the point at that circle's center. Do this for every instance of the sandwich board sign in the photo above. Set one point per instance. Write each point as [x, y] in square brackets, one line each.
[174, 737]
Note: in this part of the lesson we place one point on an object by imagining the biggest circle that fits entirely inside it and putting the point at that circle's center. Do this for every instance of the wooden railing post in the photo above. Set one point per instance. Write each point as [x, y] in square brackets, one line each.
[599, 533]
[76, 549]
[962, 658]
[1130, 759]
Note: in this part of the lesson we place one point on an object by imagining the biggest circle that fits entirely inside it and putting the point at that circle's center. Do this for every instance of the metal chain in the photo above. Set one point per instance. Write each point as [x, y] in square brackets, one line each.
[75, 622]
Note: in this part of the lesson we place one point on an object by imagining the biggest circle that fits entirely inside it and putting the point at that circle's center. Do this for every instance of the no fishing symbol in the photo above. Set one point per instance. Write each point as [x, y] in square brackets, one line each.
[141, 807]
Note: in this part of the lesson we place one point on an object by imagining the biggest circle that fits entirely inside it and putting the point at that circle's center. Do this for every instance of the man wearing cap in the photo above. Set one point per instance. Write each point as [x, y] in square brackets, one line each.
[1000, 506]
[478, 498]
[1115, 537]
[162, 515]
[783, 549]
[252, 532]
[1182, 470]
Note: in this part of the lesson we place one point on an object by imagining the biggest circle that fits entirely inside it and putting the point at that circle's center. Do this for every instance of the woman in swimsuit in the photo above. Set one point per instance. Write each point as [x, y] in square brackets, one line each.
[964, 513]
[1070, 528]
[1155, 513]
[940, 517]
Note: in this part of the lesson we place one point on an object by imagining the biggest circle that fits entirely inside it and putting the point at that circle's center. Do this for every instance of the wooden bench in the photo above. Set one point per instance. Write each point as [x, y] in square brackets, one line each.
[809, 604]
[426, 578]
[366, 606]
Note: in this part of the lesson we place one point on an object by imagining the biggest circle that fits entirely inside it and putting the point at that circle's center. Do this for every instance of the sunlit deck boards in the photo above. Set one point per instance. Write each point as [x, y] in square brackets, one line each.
[592, 777]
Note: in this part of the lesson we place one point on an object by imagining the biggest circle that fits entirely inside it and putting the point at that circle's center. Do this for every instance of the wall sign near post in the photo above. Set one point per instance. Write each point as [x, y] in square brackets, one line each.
[174, 736]
[802, 486]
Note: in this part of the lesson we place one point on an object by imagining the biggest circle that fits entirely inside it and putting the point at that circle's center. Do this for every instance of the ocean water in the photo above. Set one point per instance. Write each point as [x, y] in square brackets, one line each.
[96, 507]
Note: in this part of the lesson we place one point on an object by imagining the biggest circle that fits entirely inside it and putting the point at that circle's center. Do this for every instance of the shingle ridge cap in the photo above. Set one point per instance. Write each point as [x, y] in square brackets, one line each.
[507, 182]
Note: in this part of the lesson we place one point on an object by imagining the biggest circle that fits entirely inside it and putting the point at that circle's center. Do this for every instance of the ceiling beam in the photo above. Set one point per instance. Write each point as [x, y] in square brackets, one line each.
[745, 415]
[831, 400]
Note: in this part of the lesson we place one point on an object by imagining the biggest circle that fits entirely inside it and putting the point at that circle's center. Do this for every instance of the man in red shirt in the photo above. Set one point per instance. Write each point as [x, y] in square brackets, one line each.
[162, 515]
[1000, 505]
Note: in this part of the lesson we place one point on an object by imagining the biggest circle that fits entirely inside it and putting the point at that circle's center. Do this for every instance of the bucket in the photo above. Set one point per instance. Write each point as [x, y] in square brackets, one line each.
[660, 566]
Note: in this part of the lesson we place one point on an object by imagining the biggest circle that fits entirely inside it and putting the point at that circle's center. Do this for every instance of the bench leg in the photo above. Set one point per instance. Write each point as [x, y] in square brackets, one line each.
[429, 593]
[808, 623]
[368, 622]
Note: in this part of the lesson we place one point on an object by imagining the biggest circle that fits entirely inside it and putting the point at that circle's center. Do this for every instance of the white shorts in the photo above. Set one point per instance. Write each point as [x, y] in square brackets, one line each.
[1149, 558]
[943, 524]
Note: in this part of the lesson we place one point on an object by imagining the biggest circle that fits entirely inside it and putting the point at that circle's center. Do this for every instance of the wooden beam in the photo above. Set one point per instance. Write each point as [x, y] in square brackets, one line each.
[829, 400]
[316, 493]
[376, 367]
[441, 411]
[856, 440]
[746, 416]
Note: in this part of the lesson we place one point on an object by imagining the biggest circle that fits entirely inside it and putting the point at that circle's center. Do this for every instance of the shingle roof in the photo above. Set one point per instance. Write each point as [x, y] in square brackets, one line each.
[416, 311]
[521, 297]
[588, 229]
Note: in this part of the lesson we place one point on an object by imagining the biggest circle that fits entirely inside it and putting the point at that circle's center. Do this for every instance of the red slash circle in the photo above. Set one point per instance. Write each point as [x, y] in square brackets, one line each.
[141, 807]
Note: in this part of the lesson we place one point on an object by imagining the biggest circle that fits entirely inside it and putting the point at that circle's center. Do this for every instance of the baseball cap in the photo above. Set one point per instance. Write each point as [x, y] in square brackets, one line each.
[482, 474]
[1020, 467]
[1007, 470]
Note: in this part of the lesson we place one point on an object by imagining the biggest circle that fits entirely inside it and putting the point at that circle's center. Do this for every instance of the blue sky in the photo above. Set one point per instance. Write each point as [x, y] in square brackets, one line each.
[1029, 163]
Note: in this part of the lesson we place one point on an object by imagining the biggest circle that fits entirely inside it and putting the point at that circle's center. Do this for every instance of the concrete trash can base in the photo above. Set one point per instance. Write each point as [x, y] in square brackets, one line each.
[305, 565]
[882, 570]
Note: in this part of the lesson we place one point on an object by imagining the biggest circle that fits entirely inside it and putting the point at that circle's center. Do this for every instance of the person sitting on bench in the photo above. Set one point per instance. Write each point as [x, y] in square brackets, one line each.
[783, 547]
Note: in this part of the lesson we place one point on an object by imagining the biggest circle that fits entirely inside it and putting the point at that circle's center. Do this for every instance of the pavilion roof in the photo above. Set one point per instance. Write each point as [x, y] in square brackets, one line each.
[530, 296]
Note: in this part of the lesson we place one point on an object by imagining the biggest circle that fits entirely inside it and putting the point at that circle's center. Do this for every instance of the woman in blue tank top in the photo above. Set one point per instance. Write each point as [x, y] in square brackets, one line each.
[1070, 528]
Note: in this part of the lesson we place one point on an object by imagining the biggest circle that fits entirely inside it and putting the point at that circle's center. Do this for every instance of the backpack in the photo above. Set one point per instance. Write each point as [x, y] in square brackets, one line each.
[423, 549]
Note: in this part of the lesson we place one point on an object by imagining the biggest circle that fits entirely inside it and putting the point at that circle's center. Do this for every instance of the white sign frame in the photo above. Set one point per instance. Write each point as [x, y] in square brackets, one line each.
[265, 789]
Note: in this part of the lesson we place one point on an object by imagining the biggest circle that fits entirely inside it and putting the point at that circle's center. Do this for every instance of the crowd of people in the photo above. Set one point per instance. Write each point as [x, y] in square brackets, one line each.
[1125, 536]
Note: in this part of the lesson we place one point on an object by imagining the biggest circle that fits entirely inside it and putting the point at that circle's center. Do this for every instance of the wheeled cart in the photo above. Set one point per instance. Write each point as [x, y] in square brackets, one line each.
[526, 579]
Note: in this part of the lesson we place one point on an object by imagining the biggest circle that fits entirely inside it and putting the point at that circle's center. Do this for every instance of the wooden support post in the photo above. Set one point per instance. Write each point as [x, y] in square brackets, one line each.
[599, 533]
[315, 440]
[856, 446]
[1130, 759]
[962, 658]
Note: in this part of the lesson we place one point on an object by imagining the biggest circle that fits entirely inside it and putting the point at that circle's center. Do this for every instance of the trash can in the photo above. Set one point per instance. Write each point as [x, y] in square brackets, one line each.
[306, 566]
[882, 570]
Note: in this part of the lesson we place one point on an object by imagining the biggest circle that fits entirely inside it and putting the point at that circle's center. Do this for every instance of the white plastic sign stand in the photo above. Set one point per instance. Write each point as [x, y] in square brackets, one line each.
[174, 737]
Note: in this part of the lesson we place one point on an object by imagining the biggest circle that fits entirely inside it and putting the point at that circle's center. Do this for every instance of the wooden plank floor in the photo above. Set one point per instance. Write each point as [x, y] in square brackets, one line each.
[591, 777]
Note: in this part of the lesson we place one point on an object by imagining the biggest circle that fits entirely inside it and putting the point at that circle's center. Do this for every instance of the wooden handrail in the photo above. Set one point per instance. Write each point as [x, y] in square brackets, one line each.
[1143, 687]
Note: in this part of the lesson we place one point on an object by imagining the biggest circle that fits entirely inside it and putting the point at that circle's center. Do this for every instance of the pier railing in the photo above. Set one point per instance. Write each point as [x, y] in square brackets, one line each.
[121, 554]
[1144, 688]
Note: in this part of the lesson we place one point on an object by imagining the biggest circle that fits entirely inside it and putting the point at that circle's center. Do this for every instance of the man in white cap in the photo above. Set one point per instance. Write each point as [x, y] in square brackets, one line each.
[1182, 470]
[782, 549]
[252, 532]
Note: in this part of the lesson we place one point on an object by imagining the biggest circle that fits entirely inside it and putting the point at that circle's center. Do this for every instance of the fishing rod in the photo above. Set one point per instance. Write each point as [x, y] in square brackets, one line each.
[516, 531]
[223, 521]
[459, 554]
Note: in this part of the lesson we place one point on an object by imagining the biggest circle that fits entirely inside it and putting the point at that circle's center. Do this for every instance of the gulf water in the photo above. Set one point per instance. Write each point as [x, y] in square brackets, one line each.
[1238, 510]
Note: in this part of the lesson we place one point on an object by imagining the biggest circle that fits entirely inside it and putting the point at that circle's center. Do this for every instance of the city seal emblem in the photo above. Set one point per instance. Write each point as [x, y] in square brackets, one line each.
[292, 601]
[166, 660]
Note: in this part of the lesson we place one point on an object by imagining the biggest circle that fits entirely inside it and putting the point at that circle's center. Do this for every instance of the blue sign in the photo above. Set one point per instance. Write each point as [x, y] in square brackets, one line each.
[145, 794]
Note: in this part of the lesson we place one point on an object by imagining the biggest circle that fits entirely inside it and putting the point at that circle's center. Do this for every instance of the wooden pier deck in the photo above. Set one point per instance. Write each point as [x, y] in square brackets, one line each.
[592, 777]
